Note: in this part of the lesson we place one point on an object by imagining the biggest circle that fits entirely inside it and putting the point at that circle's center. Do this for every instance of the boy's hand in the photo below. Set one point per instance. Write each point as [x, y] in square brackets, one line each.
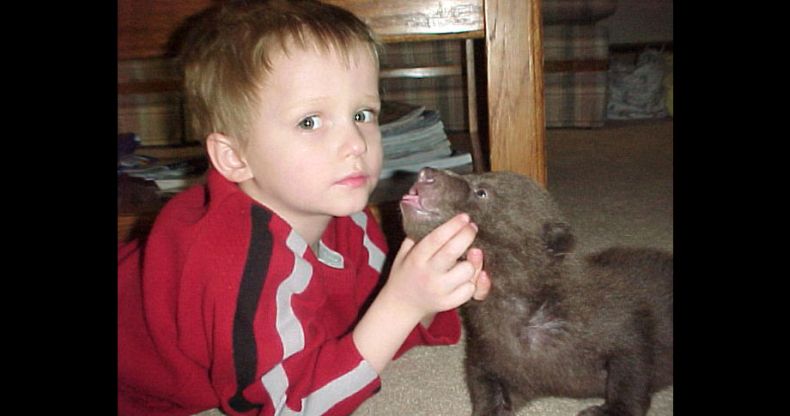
[426, 276]
[481, 280]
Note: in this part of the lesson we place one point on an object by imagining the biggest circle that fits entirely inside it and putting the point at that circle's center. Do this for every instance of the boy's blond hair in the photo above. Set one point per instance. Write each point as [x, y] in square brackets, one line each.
[227, 52]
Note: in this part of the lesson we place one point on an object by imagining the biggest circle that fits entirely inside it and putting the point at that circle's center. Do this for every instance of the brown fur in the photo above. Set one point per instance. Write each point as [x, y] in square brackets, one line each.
[553, 324]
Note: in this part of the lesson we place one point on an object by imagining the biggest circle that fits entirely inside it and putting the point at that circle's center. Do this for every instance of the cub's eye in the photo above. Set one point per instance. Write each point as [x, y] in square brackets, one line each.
[364, 116]
[481, 193]
[310, 123]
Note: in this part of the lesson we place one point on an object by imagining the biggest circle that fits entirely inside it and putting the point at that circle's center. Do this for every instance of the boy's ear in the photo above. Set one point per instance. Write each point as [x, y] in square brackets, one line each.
[226, 158]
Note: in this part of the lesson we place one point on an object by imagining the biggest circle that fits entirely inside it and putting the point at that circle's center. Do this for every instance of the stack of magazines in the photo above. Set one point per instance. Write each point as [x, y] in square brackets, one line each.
[170, 175]
[413, 137]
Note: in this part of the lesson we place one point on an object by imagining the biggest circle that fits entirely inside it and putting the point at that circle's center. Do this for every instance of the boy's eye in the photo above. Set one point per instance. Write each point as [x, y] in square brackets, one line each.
[310, 123]
[365, 116]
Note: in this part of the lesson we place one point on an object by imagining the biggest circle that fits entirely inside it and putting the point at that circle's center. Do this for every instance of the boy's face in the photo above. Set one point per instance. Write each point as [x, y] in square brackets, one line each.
[315, 147]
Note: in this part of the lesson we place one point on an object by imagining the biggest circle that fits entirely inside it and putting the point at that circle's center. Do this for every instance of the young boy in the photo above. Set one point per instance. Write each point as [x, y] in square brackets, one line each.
[250, 292]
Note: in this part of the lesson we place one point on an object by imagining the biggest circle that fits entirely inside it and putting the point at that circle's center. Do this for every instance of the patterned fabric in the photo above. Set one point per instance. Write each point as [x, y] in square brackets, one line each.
[447, 95]
[156, 117]
[566, 42]
[146, 69]
[575, 98]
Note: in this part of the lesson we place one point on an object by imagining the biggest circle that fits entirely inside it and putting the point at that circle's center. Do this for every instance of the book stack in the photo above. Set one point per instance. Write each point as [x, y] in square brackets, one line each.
[170, 174]
[413, 137]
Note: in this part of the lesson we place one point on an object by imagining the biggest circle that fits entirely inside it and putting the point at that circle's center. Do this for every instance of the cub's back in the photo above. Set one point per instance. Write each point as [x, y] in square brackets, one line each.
[636, 282]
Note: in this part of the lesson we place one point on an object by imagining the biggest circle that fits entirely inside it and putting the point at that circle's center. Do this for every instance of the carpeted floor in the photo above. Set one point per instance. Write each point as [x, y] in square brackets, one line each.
[614, 185]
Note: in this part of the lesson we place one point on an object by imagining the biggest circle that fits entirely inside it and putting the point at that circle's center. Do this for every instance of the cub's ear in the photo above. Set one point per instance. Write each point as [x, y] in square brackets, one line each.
[558, 238]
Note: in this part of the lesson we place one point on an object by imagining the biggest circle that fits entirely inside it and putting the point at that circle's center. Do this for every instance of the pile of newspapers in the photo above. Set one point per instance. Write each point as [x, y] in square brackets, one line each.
[170, 175]
[413, 137]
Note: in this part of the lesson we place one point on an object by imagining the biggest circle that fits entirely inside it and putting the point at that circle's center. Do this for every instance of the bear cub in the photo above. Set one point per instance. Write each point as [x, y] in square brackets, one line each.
[554, 323]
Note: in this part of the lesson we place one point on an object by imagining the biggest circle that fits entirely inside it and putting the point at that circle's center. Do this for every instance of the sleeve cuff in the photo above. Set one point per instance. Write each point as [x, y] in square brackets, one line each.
[444, 330]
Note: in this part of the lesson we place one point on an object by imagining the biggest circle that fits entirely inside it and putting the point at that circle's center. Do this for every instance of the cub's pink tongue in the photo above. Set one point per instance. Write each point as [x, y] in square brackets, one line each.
[411, 199]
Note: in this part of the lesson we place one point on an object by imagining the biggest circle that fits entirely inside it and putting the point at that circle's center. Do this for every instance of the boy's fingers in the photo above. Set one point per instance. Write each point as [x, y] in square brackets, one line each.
[475, 256]
[483, 286]
[437, 238]
[405, 247]
[454, 248]
[458, 275]
[460, 295]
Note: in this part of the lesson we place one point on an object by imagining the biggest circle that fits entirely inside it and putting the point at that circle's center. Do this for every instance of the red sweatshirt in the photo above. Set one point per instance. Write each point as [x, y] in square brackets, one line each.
[227, 307]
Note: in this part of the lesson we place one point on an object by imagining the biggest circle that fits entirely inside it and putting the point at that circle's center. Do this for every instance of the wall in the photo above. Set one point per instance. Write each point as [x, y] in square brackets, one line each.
[640, 21]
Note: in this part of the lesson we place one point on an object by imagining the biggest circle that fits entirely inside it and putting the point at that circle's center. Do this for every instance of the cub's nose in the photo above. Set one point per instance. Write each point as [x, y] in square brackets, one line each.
[427, 175]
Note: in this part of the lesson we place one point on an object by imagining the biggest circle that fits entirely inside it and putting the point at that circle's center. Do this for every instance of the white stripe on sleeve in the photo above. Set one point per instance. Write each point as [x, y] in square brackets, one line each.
[376, 257]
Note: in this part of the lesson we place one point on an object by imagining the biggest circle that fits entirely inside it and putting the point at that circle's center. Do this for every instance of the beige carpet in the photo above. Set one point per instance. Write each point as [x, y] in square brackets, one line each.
[614, 185]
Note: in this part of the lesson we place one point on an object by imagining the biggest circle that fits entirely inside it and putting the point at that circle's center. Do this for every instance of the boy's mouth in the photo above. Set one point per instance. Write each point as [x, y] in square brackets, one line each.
[355, 180]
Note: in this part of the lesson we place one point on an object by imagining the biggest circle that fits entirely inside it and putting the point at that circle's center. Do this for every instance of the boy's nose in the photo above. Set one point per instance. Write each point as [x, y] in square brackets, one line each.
[355, 142]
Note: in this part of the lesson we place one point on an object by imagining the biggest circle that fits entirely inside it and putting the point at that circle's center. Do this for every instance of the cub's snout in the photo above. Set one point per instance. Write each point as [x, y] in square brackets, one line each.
[434, 198]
